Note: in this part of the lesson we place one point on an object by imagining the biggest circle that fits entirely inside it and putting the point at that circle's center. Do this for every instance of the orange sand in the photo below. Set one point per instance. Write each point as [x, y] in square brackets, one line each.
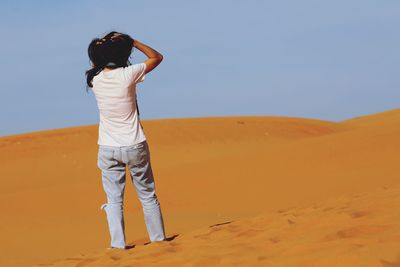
[251, 191]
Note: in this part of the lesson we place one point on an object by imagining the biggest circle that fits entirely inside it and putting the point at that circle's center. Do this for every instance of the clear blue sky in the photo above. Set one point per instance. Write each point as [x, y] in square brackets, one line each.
[319, 59]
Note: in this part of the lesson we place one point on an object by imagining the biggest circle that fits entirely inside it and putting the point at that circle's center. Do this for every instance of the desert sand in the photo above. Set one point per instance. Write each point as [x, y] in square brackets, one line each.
[234, 191]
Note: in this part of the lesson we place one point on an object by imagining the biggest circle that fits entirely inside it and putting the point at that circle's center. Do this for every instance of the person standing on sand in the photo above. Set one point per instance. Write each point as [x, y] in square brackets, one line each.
[122, 141]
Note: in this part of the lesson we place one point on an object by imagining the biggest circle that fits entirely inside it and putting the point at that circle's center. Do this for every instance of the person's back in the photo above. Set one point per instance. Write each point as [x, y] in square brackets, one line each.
[121, 140]
[115, 92]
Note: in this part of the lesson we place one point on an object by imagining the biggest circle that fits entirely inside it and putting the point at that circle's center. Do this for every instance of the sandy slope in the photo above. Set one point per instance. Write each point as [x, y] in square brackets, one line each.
[208, 171]
[356, 230]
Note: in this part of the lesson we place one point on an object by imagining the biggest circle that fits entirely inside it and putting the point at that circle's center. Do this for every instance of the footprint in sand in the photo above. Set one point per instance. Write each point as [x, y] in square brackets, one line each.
[361, 231]
[355, 232]
[290, 221]
[114, 257]
[274, 239]
[359, 213]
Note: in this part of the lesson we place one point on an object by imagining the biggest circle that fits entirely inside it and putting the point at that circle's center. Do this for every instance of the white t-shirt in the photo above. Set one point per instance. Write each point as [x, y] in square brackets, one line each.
[115, 93]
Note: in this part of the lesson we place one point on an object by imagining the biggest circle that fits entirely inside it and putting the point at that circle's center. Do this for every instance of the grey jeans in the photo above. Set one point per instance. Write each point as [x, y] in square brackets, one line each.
[112, 162]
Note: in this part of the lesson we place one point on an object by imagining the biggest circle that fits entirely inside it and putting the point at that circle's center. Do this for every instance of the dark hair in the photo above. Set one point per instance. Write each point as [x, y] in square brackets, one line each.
[107, 52]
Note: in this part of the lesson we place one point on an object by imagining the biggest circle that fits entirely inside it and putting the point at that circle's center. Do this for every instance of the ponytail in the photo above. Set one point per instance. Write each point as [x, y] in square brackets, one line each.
[91, 73]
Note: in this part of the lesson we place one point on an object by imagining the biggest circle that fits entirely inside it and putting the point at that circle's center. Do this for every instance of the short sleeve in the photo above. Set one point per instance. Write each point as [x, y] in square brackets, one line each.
[135, 73]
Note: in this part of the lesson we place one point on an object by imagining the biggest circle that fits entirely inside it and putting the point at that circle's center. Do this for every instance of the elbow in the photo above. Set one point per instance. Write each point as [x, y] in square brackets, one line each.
[156, 59]
[159, 58]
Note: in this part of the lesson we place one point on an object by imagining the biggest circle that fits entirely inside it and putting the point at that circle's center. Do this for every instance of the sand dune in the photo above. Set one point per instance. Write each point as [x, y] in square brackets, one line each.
[355, 230]
[208, 171]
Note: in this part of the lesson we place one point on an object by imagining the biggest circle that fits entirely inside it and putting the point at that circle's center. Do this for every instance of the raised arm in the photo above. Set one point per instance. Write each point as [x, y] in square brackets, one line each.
[154, 57]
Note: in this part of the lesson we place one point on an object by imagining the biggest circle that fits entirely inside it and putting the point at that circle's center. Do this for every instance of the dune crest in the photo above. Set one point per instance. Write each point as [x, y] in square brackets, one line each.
[385, 117]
